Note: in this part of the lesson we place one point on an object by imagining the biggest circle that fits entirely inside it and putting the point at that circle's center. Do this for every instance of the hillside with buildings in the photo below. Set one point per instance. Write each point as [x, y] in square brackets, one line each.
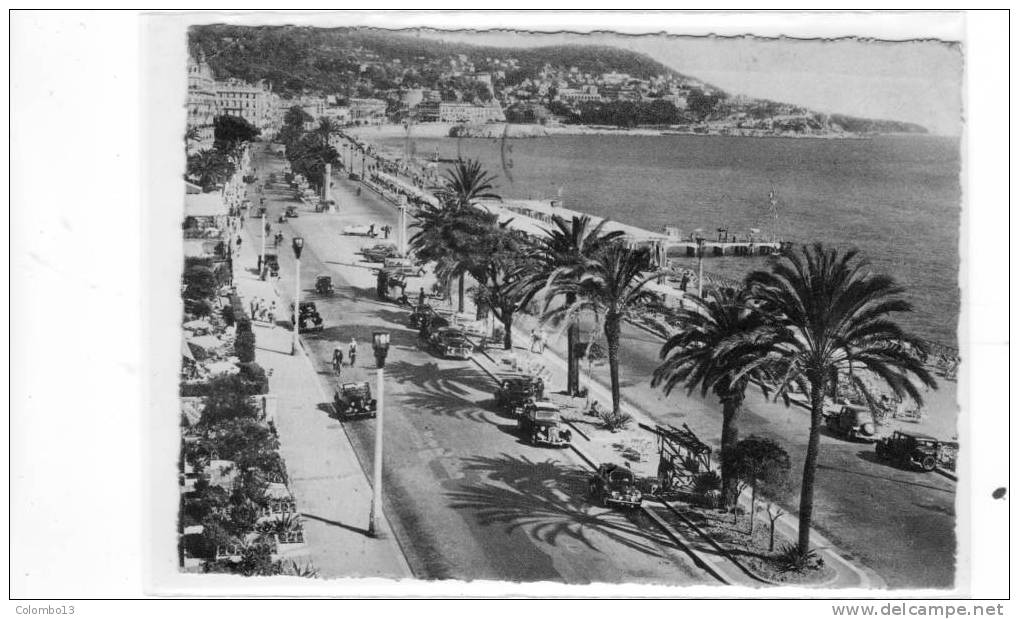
[369, 76]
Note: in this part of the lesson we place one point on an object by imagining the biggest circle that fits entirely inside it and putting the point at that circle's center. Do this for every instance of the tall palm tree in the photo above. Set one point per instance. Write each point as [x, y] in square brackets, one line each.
[829, 311]
[327, 128]
[708, 354]
[562, 253]
[464, 183]
[611, 285]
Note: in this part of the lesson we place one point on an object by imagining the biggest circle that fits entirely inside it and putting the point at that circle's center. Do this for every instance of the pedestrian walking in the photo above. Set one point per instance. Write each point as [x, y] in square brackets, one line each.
[337, 360]
[542, 340]
[371, 229]
[534, 340]
[272, 313]
[352, 351]
[421, 296]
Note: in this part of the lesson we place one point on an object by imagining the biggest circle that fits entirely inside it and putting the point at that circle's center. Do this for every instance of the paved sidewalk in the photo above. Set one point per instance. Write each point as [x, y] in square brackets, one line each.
[331, 489]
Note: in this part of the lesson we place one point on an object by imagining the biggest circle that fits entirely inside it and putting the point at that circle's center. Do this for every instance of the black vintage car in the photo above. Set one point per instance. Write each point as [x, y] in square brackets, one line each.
[913, 449]
[324, 284]
[270, 265]
[380, 252]
[852, 421]
[513, 393]
[612, 485]
[309, 316]
[421, 312]
[541, 424]
[390, 286]
[450, 343]
[354, 400]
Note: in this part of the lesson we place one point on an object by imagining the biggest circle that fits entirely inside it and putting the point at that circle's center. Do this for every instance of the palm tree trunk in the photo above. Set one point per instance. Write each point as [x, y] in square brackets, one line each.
[460, 293]
[572, 362]
[732, 405]
[507, 331]
[612, 340]
[817, 386]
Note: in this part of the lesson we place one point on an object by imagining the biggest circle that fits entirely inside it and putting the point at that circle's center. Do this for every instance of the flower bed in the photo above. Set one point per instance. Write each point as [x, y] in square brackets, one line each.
[752, 552]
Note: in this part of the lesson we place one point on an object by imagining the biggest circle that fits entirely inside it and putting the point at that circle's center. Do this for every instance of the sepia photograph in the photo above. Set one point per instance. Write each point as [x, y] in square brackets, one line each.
[511, 304]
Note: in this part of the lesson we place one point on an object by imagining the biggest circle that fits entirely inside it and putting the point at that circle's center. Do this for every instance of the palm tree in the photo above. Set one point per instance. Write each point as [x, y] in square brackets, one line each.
[829, 311]
[611, 285]
[707, 353]
[465, 183]
[562, 253]
[444, 232]
[325, 131]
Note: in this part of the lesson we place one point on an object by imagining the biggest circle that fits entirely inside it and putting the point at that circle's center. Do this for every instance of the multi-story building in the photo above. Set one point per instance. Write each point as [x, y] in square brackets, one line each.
[201, 105]
[453, 112]
[573, 95]
[367, 111]
[252, 102]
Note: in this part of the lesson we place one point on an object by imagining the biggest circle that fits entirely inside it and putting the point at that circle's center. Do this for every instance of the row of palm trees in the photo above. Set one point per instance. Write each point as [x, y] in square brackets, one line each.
[817, 312]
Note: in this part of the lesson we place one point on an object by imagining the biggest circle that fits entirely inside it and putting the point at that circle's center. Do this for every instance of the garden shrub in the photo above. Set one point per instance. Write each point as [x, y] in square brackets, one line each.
[244, 346]
[199, 282]
[226, 399]
[614, 421]
[706, 481]
[790, 559]
[228, 315]
[253, 379]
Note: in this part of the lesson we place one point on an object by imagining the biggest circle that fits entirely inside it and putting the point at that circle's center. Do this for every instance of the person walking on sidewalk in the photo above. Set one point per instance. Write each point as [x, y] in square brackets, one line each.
[337, 360]
[352, 351]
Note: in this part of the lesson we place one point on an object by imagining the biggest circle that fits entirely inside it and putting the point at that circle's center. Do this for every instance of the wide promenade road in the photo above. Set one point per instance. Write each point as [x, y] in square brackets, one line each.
[465, 497]
[900, 523]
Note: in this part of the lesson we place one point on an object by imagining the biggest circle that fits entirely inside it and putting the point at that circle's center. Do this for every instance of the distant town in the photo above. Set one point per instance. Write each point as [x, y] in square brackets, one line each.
[356, 77]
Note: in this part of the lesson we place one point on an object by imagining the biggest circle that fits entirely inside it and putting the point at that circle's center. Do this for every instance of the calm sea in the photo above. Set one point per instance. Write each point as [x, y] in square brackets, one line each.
[895, 198]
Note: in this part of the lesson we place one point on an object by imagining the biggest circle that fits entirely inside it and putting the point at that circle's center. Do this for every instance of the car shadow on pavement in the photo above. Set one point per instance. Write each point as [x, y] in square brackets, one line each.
[548, 501]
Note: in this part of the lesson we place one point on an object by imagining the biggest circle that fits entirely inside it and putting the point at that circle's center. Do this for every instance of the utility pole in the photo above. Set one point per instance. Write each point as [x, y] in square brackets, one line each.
[298, 246]
[380, 343]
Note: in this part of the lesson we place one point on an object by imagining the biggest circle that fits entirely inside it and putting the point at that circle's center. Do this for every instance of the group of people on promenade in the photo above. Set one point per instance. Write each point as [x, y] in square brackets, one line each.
[262, 312]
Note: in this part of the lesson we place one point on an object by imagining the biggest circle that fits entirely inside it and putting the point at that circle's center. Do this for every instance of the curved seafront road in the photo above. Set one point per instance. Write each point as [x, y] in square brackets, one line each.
[900, 523]
[466, 498]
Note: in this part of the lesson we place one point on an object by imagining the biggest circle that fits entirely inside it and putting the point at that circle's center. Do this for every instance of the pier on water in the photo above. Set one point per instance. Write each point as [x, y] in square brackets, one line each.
[725, 248]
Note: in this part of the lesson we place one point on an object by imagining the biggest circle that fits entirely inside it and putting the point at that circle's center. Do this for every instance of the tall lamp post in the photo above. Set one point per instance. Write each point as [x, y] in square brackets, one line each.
[700, 266]
[298, 246]
[380, 343]
[261, 256]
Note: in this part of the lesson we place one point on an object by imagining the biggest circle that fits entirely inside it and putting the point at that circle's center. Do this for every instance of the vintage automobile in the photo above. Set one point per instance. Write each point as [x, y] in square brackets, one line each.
[271, 264]
[514, 393]
[612, 484]
[912, 449]
[309, 316]
[450, 343]
[380, 252]
[324, 284]
[291, 211]
[852, 421]
[404, 266]
[354, 399]
[390, 286]
[360, 230]
[541, 424]
[424, 310]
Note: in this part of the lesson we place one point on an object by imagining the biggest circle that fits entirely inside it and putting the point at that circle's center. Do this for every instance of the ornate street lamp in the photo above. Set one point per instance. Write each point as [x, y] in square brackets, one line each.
[700, 266]
[298, 245]
[380, 344]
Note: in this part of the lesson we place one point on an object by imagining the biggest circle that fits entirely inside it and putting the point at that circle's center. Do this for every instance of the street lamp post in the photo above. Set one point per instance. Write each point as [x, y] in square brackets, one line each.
[380, 343]
[261, 256]
[298, 246]
[700, 267]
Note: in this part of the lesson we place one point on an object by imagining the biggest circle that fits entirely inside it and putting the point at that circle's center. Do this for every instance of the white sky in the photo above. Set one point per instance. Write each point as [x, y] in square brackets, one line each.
[915, 81]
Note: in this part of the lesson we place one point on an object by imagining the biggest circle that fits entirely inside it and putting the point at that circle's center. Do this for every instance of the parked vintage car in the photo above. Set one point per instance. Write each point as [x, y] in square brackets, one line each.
[852, 421]
[291, 211]
[450, 343]
[324, 284]
[913, 449]
[309, 316]
[271, 264]
[390, 286]
[541, 424]
[404, 266]
[515, 392]
[360, 230]
[355, 399]
[612, 485]
[380, 252]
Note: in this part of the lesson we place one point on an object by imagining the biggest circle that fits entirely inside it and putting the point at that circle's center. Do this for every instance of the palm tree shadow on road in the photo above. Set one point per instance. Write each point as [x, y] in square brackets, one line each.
[450, 391]
[548, 501]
